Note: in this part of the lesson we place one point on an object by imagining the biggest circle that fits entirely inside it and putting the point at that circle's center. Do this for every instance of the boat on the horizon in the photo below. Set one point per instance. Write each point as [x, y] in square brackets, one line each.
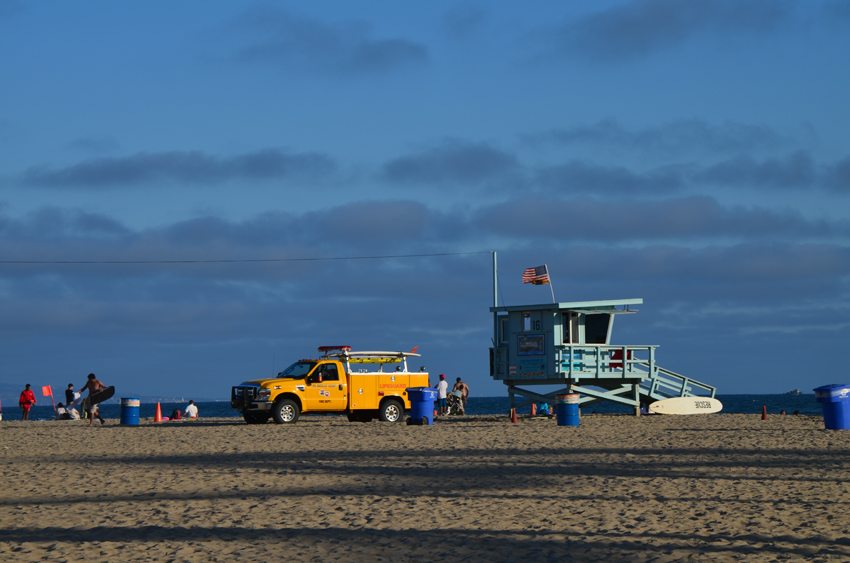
[793, 392]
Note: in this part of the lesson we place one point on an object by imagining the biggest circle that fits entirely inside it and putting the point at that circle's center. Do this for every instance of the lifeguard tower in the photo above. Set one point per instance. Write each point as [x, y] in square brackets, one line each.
[569, 344]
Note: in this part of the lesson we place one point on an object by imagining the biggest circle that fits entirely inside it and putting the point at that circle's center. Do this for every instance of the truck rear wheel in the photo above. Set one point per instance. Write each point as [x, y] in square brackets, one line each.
[252, 418]
[285, 411]
[392, 411]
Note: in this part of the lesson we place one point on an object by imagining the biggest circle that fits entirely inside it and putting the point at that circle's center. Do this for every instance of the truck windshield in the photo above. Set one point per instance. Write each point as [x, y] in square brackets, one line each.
[297, 370]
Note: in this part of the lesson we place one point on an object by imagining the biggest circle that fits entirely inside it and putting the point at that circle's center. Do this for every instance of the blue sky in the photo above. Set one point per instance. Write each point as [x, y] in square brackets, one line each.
[694, 154]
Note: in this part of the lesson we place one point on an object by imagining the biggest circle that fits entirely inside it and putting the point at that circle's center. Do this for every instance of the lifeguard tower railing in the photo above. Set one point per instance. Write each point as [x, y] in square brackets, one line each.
[622, 374]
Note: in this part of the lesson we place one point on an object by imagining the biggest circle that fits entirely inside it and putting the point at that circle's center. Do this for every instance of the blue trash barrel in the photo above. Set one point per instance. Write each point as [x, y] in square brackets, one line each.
[130, 412]
[422, 401]
[835, 402]
[566, 409]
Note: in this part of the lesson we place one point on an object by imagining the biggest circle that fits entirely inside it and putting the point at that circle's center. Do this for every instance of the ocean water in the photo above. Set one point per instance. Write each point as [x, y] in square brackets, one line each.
[806, 404]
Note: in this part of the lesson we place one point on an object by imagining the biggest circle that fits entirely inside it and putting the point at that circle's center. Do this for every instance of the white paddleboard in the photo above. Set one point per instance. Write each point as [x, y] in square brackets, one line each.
[686, 405]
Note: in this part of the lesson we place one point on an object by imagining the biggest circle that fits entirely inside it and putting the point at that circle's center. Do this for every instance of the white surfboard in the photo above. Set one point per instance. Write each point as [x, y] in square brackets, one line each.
[686, 405]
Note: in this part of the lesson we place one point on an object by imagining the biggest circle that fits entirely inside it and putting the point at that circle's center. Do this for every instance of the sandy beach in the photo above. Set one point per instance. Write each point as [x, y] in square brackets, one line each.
[661, 489]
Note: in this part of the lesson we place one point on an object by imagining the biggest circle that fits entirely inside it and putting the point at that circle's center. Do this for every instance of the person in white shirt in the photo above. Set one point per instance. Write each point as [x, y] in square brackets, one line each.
[442, 387]
[191, 411]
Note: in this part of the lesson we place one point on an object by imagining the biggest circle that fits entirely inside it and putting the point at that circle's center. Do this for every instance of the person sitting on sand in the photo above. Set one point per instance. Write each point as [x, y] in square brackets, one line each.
[191, 410]
[93, 385]
[26, 402]
[61, 412]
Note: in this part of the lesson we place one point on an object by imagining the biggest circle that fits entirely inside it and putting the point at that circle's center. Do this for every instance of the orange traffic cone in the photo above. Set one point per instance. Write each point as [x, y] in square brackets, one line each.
[764, 413]
[533, 409]
[158, 416]
[513, 415]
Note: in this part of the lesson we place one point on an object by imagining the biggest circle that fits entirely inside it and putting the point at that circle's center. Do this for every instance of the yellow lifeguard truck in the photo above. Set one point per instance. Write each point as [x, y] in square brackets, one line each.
[331, 385]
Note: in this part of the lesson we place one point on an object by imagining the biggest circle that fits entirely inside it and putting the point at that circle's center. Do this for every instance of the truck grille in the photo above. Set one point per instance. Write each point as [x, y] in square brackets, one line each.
[242, 395]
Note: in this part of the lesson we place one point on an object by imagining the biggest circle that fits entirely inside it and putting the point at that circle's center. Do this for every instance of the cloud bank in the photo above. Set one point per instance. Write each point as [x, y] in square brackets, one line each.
[191, 167]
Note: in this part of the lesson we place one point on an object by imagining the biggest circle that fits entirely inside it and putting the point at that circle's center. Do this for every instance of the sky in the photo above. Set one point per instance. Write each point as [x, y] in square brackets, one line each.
[693, 154]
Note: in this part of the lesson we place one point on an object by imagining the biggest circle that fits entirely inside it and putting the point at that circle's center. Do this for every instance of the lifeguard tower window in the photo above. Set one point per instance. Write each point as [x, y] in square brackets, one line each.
[530, 322]
[596, 328]
[570, 328]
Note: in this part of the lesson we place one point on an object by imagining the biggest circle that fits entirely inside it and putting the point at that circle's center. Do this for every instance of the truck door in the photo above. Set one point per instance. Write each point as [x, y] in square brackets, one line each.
[329, 394]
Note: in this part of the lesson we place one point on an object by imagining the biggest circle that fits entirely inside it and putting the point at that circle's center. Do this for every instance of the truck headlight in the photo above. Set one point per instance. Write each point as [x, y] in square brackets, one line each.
[264, 394]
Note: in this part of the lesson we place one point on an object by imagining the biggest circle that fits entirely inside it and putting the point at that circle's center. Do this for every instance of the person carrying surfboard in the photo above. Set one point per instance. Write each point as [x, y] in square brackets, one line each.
[95, 386]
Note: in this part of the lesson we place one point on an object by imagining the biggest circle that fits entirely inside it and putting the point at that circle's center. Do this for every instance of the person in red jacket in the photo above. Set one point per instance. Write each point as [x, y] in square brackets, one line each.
[26, 401]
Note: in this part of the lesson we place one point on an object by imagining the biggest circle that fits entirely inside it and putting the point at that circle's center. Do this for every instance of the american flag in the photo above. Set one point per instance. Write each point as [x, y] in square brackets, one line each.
[537, 276]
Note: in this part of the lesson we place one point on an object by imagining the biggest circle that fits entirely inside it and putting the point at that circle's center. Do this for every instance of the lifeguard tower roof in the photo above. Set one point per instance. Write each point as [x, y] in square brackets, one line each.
[605, 306]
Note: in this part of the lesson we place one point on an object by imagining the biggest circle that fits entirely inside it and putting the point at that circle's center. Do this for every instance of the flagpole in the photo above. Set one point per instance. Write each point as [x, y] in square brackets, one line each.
[550, 283]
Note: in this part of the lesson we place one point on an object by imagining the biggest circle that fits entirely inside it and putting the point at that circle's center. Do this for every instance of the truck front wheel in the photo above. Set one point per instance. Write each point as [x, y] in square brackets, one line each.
[392, 411]
[285, 411]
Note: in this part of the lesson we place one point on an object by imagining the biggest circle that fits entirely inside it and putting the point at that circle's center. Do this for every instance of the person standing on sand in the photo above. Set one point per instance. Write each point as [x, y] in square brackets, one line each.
[442, 387]
[26, 402]
[191, 410]
[93, 385]
[69, 394]
[463, 388]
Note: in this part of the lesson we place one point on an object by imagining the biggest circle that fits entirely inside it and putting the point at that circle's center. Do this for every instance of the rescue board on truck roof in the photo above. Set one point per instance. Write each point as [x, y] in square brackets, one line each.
[329, 385]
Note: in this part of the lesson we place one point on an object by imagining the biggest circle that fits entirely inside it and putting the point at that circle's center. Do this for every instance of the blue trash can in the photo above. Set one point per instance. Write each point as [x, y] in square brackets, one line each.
[835, 402]
[130, 412]
[566, 409]
[421, 405]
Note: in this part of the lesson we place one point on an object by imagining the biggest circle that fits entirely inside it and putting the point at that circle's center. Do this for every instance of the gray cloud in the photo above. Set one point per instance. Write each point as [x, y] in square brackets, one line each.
[637, 28]
[709, 272]
[796, 170]
[679, 219]
[686, 135]
[281, 38]
[344, 227]
[50, 223]
[837, 176]
[452, 163]
[462, 20]
[192, 167]
[585, 178]
[394, 227]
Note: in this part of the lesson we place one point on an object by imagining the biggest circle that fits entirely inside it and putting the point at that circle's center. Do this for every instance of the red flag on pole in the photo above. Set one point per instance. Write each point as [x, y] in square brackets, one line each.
[48, 392]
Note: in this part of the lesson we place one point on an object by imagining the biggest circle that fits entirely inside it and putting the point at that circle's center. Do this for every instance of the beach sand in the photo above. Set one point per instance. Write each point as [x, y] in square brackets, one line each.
[719, 487]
